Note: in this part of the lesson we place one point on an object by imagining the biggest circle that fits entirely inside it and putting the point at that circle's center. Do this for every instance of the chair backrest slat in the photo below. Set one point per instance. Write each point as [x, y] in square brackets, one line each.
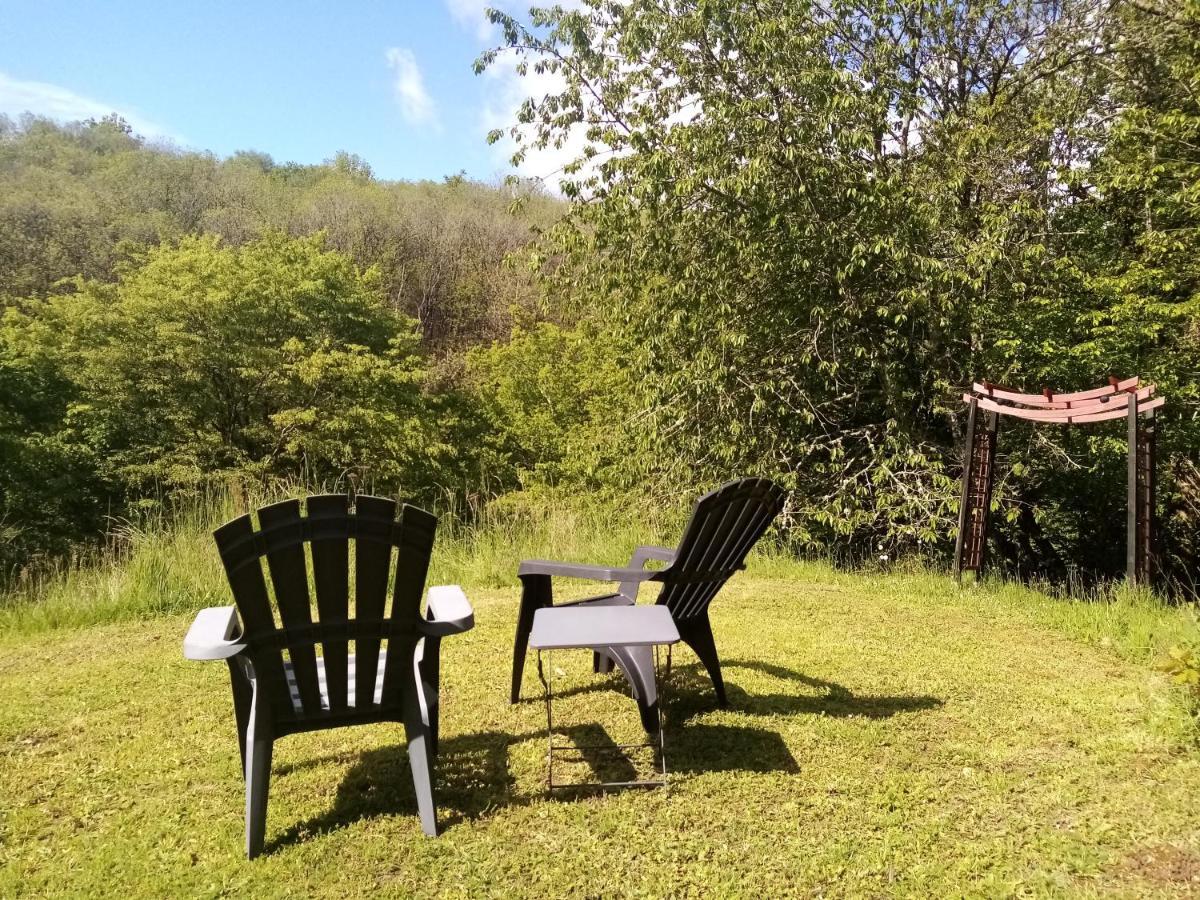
[328, 525]
[412, 565]
[724, 526]
[241, 558]
[372, 559]
[331, 575]
[690, 557]
[289, 577]
[708, 540]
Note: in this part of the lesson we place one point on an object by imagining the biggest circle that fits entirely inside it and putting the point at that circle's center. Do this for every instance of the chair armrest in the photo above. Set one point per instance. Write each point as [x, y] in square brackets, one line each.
[642, 554]
[578, 570]
[447, 611]
[212, 634]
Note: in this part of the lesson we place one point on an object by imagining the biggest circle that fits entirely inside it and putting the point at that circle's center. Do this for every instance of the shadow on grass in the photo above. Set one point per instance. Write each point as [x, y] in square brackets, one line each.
[473, 776]
[691, 694]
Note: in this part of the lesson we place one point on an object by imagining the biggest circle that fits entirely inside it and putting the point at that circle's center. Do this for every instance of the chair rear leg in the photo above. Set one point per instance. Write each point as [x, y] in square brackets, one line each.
[697, 634]
[602, 664]
[535, 593]
[258, 780]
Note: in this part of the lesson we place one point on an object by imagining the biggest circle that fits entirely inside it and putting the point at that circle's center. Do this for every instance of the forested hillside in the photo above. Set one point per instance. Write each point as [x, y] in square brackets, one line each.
[174, 322]
[798, 232]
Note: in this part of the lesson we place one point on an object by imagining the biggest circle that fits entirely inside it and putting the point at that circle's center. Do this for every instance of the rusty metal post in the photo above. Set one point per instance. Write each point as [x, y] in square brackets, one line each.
[1147, 488]
[985, 507]
[963, 506]
[1131, 512]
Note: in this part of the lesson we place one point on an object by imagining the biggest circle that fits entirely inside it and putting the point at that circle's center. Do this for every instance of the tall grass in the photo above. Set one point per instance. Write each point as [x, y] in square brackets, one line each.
[157, 564]
[164, 562]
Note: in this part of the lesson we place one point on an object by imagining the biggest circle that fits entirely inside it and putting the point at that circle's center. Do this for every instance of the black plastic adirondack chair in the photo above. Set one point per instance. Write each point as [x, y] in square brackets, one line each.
[724, 525]
[280, 685]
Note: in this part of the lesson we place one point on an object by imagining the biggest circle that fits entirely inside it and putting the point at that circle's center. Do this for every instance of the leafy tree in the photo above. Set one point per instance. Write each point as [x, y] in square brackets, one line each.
[75, 198]
[798, 209]
[274, 357]
[138, 359]
[50, 490]
[558, 401]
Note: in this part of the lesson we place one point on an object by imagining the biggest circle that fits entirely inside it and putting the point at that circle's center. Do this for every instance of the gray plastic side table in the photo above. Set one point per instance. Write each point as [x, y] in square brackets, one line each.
[631, 635]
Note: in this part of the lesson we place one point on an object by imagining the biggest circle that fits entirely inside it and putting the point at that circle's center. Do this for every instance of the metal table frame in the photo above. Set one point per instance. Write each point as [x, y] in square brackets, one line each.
[658, 745]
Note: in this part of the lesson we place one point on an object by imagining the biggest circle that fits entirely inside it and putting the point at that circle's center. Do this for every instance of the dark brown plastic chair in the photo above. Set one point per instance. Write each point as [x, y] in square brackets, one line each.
[724, 525]
[280, 685]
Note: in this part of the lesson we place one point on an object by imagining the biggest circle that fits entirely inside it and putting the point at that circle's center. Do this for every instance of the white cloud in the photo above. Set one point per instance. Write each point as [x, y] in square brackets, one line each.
[54, 102]
[507, 91]
[472, 15]
[415, 103]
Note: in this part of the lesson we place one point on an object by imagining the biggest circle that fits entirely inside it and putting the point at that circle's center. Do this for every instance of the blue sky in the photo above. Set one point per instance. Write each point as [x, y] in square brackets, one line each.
[391, 81]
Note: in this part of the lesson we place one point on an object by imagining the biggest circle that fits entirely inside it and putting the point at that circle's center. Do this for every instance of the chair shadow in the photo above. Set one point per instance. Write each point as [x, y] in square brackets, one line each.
[471, 777]
[702, 747]
[472, 771]
[691, 694]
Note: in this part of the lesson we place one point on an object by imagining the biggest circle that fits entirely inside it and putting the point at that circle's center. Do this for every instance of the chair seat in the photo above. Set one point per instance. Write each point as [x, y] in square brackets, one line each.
[294, 689]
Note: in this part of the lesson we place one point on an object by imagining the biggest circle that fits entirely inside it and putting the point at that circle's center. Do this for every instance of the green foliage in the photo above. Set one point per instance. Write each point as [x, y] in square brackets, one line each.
[1182, 663]
[168, 319]
[559, 400]
[205, 362]
[50, 493]
[276, 355]
[823, 221]
[73, 198]
[797, 232]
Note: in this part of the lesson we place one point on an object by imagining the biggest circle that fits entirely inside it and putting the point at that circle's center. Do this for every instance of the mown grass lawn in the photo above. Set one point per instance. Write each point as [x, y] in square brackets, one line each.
[886, 736]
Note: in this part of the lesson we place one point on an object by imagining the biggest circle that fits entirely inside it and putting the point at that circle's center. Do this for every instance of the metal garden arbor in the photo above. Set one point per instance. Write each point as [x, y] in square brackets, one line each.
[1128, 399]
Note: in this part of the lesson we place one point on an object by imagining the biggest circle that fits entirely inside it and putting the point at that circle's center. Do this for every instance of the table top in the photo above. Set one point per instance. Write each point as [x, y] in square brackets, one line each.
[565, 627]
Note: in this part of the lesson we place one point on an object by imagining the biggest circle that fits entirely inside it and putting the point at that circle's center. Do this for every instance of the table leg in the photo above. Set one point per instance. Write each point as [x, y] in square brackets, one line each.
[548, 693]
[658, 744]
[662, 702]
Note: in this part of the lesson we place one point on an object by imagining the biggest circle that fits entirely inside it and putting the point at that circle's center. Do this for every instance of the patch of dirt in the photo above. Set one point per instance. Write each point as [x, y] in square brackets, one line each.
[30, 741]
[1164, 864]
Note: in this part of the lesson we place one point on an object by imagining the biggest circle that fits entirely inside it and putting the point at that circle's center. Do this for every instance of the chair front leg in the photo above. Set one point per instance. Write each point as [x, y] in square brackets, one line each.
[536, 593]
[243, 697]
[417, 731]
[430, 668]
[259, 748]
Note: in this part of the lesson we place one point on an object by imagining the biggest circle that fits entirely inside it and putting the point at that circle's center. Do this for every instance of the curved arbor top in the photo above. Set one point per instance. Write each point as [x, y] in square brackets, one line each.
[1076, 412]
[1049, 399]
